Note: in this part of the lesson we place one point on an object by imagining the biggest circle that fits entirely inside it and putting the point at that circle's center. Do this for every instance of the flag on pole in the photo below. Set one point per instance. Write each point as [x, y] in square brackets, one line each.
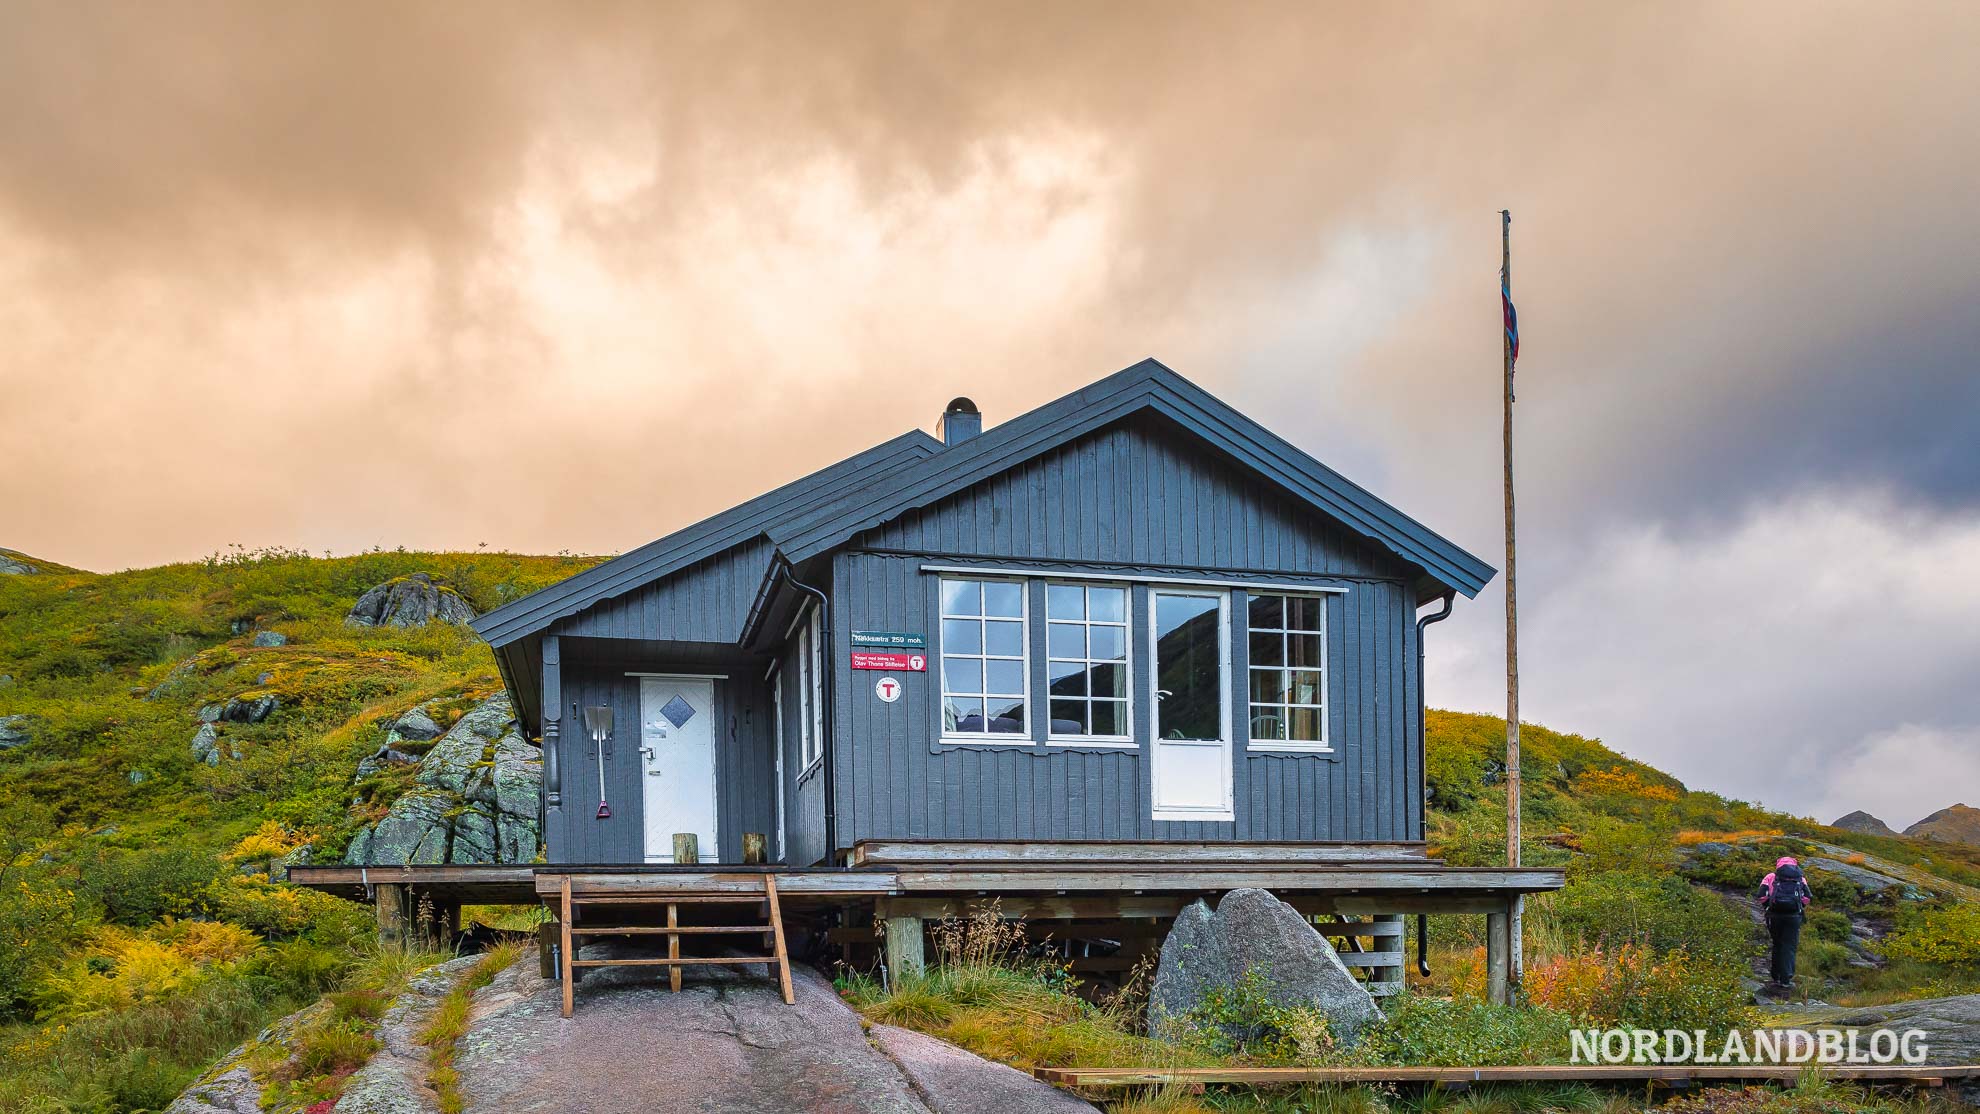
[1512, 319]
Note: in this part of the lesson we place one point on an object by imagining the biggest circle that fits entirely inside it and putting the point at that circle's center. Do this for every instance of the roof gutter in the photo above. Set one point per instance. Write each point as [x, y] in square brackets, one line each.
[1423, 763]
[827, 686]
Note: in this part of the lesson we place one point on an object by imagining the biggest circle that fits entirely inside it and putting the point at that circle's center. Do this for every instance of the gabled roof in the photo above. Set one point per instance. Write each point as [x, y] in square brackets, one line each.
[704, 539]
[1151, 386]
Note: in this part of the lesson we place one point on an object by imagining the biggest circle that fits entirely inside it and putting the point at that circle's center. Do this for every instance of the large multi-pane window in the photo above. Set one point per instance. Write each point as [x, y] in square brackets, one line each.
[1086, 641]
[1288, 638]
[984, 658]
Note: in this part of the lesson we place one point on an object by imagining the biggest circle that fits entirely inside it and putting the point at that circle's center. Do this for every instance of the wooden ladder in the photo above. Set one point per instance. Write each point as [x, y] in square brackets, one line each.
[772, 932]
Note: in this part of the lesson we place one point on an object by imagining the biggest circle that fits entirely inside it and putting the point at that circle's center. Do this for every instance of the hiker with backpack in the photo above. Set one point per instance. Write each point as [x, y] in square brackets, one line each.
[1784, 896]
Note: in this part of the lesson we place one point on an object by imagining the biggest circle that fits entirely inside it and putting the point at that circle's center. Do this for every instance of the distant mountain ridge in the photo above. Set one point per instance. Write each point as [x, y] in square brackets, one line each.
[1860, 821]
[1958, 824]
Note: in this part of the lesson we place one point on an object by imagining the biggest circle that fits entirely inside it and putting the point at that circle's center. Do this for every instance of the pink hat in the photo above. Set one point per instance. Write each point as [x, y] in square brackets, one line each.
[1786, 860]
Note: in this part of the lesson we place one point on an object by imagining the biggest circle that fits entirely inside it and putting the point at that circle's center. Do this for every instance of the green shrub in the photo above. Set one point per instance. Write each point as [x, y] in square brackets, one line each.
[1243, 1020]
[1467, 1031]
[36, 925]
[1623, 907]
[1634, 986]
[1828, 924]
[136, 888]
[302, 969]
[1824, 958]
[1948, 935]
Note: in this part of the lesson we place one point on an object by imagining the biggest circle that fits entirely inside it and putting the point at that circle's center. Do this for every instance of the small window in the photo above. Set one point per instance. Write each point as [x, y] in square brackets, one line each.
[1288, 644]
[1086, 641]
[984, 658]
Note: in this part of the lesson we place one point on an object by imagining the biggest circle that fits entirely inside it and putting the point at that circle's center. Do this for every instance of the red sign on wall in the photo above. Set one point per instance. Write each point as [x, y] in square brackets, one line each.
[880, 659]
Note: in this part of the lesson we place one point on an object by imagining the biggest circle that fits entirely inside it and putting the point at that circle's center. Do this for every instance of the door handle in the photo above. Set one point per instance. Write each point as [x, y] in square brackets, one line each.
[1163, 694]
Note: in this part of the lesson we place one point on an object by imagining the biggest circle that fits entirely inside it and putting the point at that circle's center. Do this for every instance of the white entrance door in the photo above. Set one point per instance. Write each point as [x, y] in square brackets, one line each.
[677, 755]
[1190, 644]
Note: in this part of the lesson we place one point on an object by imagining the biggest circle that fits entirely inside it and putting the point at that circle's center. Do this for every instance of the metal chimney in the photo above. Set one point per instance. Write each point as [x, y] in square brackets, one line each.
[961, 421]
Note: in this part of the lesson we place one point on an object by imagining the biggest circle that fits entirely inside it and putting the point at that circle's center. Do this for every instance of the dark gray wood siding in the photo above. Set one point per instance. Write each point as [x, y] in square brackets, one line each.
[1132, 500]
[1139, 494]
[745, 757]
[705, 602]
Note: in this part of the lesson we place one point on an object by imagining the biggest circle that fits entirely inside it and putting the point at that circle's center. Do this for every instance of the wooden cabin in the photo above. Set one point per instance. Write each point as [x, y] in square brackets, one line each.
[1124, 649]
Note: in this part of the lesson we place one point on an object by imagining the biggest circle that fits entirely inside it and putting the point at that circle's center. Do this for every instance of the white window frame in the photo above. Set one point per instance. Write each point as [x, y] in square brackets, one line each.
[984, 738]
[1326, 707]
[1124, 740]
[811, 696]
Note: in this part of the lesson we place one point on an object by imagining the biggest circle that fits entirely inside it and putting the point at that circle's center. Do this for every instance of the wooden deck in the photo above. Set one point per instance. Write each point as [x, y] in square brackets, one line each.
[1031, 878]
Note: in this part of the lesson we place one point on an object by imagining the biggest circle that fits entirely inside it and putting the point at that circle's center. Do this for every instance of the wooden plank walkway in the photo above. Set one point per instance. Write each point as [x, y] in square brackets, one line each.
[1923, 1075]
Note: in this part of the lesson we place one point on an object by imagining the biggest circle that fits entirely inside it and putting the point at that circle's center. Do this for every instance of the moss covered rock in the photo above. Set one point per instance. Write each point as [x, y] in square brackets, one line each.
[409, 601]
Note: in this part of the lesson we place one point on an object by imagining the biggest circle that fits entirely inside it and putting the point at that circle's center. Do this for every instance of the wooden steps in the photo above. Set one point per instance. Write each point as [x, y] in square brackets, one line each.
[573, 902]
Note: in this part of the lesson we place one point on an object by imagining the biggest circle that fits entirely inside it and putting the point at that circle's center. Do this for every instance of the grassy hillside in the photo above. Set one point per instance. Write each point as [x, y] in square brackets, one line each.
[1651, 862]
[114, 836]
[140, 936]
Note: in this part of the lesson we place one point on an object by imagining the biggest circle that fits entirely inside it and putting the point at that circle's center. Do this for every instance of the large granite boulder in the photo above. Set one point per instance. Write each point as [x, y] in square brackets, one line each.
[473, 798]
[409, 601]
[1252, 931]
[269, 639]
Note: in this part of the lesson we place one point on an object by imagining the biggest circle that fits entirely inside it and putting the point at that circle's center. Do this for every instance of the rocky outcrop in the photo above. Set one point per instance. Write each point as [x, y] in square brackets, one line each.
[1252, 931]
[206, 745]
[1868, 880]
[15, 563]
[1958, 824]
[403, 743]
[248, 708]
[394, 1081]
[268, 639]
[16, 731]
[1951, 1025]
[953, 1080]
[409, 601]
[1863, 823]
[473, 800]
[727, 1044]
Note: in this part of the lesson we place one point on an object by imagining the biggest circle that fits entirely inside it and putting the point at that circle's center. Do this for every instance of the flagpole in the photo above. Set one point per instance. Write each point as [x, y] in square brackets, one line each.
[1517, 950]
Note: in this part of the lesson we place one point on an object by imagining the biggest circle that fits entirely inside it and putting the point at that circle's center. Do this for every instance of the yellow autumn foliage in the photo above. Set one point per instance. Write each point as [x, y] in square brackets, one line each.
[1621, 783]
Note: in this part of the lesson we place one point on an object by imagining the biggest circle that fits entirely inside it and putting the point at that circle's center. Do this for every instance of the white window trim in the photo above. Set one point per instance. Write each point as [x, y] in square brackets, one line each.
[1228, 730]
[776, 678]
[984, 738]
[1007, 572]
[811, 703]
[1326, 705]
[1125, 740]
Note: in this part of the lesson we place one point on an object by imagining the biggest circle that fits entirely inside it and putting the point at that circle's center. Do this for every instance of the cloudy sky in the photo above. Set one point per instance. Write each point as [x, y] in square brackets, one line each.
[335, 276]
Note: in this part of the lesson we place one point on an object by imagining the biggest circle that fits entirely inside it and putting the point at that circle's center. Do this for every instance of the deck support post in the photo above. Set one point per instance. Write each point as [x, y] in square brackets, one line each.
[1498, 956]
[905, 956]
[391, 901]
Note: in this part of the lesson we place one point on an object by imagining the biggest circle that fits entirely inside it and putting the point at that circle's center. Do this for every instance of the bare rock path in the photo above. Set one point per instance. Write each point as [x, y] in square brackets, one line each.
[725, 1043]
